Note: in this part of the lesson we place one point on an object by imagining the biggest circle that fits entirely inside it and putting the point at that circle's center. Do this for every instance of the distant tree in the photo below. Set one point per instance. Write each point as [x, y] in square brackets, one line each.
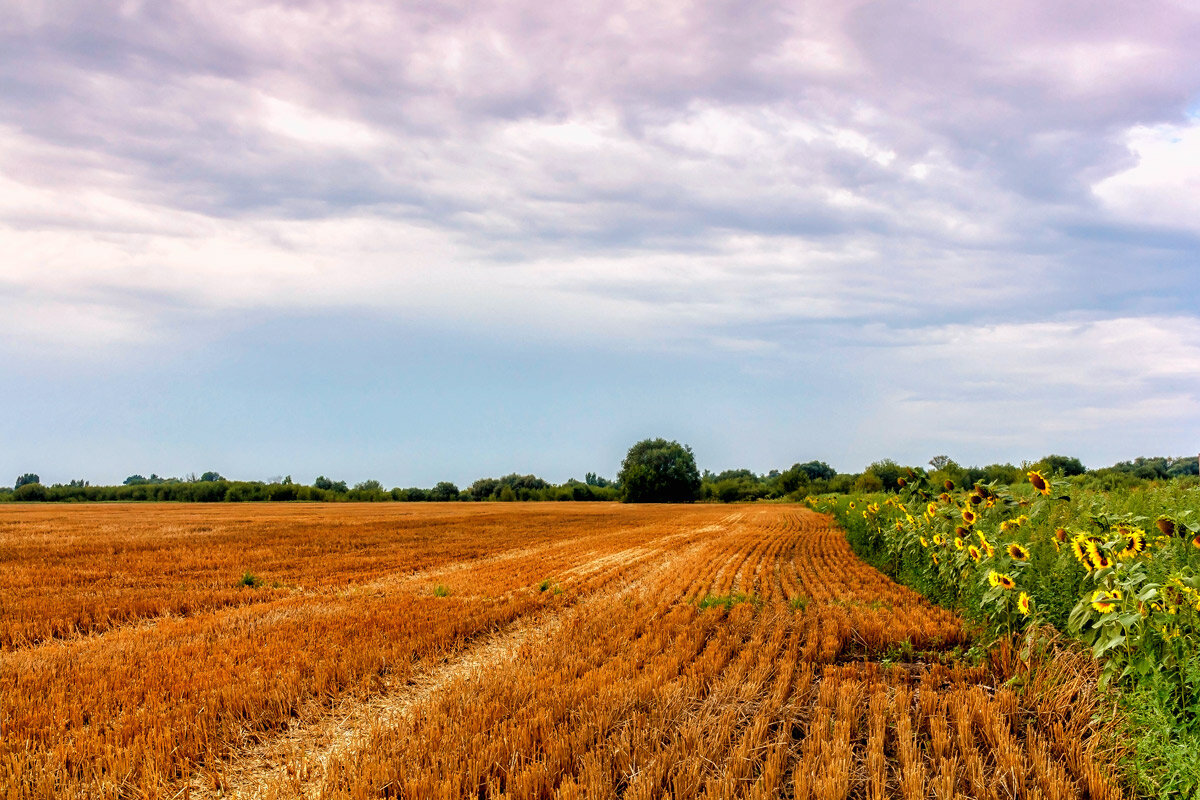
[483, 489]
[445, 490]
[734, 475]
[869, 481]
[369, 486]
[658, 471]
[134, 480]
[31, 492]
[209, 477]
[940, 462]
[592, 479]
[330, 486]
[27, 479]
[791, 480]
[1062, 465]
[888, 473]
[818, 471]
[1002, 474]
[1188, 465]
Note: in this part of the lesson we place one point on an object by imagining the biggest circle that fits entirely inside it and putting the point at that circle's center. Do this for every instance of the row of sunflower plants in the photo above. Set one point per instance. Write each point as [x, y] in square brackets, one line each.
[1016, 557]
[1119, 570]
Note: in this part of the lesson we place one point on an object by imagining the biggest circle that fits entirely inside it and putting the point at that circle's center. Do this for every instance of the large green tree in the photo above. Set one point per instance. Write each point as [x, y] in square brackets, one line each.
[658, 471]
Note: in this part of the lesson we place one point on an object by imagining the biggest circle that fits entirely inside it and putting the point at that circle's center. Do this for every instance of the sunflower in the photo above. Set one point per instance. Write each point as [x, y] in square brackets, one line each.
[901, 482]
[931, 509]
[1166, 525]
[852, 504]
[1039, 482]
[973, 552]
[969, 516]
[924, 543]
[899, 527]
[1135, 543]
[1024, 604]
[938, 540]
[958, 542]
[975, 499]
[1077, 547]
[948, 485]
[943, 497]
[1008, 525]
[1017, 553]
[934, 557]
[1001, 579]
[1099, 561]
[1060, 535]
[1104, 602]
[1196, 542]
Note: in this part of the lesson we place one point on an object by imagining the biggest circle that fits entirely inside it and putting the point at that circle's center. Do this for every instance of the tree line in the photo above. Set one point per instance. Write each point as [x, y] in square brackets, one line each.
[654, 470]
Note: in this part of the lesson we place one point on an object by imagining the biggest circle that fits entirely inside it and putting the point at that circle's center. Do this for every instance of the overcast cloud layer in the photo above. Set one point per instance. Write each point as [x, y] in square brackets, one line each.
[842, 230]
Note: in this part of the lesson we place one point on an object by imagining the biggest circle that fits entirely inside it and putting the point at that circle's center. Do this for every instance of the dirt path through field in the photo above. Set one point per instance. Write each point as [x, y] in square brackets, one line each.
[301, 753]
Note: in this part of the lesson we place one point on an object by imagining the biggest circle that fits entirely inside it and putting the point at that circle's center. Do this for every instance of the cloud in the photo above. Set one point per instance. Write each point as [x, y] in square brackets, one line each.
[1129, 384]
[1163, 188]
[708, 172]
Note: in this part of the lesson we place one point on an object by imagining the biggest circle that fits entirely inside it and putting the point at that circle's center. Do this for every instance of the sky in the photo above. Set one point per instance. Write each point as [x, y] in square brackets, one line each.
[435, 241]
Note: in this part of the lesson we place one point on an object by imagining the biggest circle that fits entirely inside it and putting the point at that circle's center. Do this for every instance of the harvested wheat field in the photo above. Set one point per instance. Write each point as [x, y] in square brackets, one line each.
[504, 650]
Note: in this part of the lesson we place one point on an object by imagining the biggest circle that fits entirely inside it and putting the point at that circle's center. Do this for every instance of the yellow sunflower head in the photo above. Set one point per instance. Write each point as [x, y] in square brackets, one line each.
[1135, 541]
[975, 499]
[1105, 602]
[1077, 547]
[973, 552]
[1025, 604]
[1196, 542]
[923, 542]
[1017, 553]
[948, 485]
[931, 509]
[958, 543]
[1001, 579]
[1060, 535]
[851, 504]
[1040, 484]
[969, 516]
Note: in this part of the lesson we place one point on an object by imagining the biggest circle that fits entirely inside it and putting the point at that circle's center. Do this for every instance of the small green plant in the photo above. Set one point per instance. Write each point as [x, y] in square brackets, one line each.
[249, 579]
[727, 601]
[798, 603]
[899, 652]
[545, 584]
[441, 590]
